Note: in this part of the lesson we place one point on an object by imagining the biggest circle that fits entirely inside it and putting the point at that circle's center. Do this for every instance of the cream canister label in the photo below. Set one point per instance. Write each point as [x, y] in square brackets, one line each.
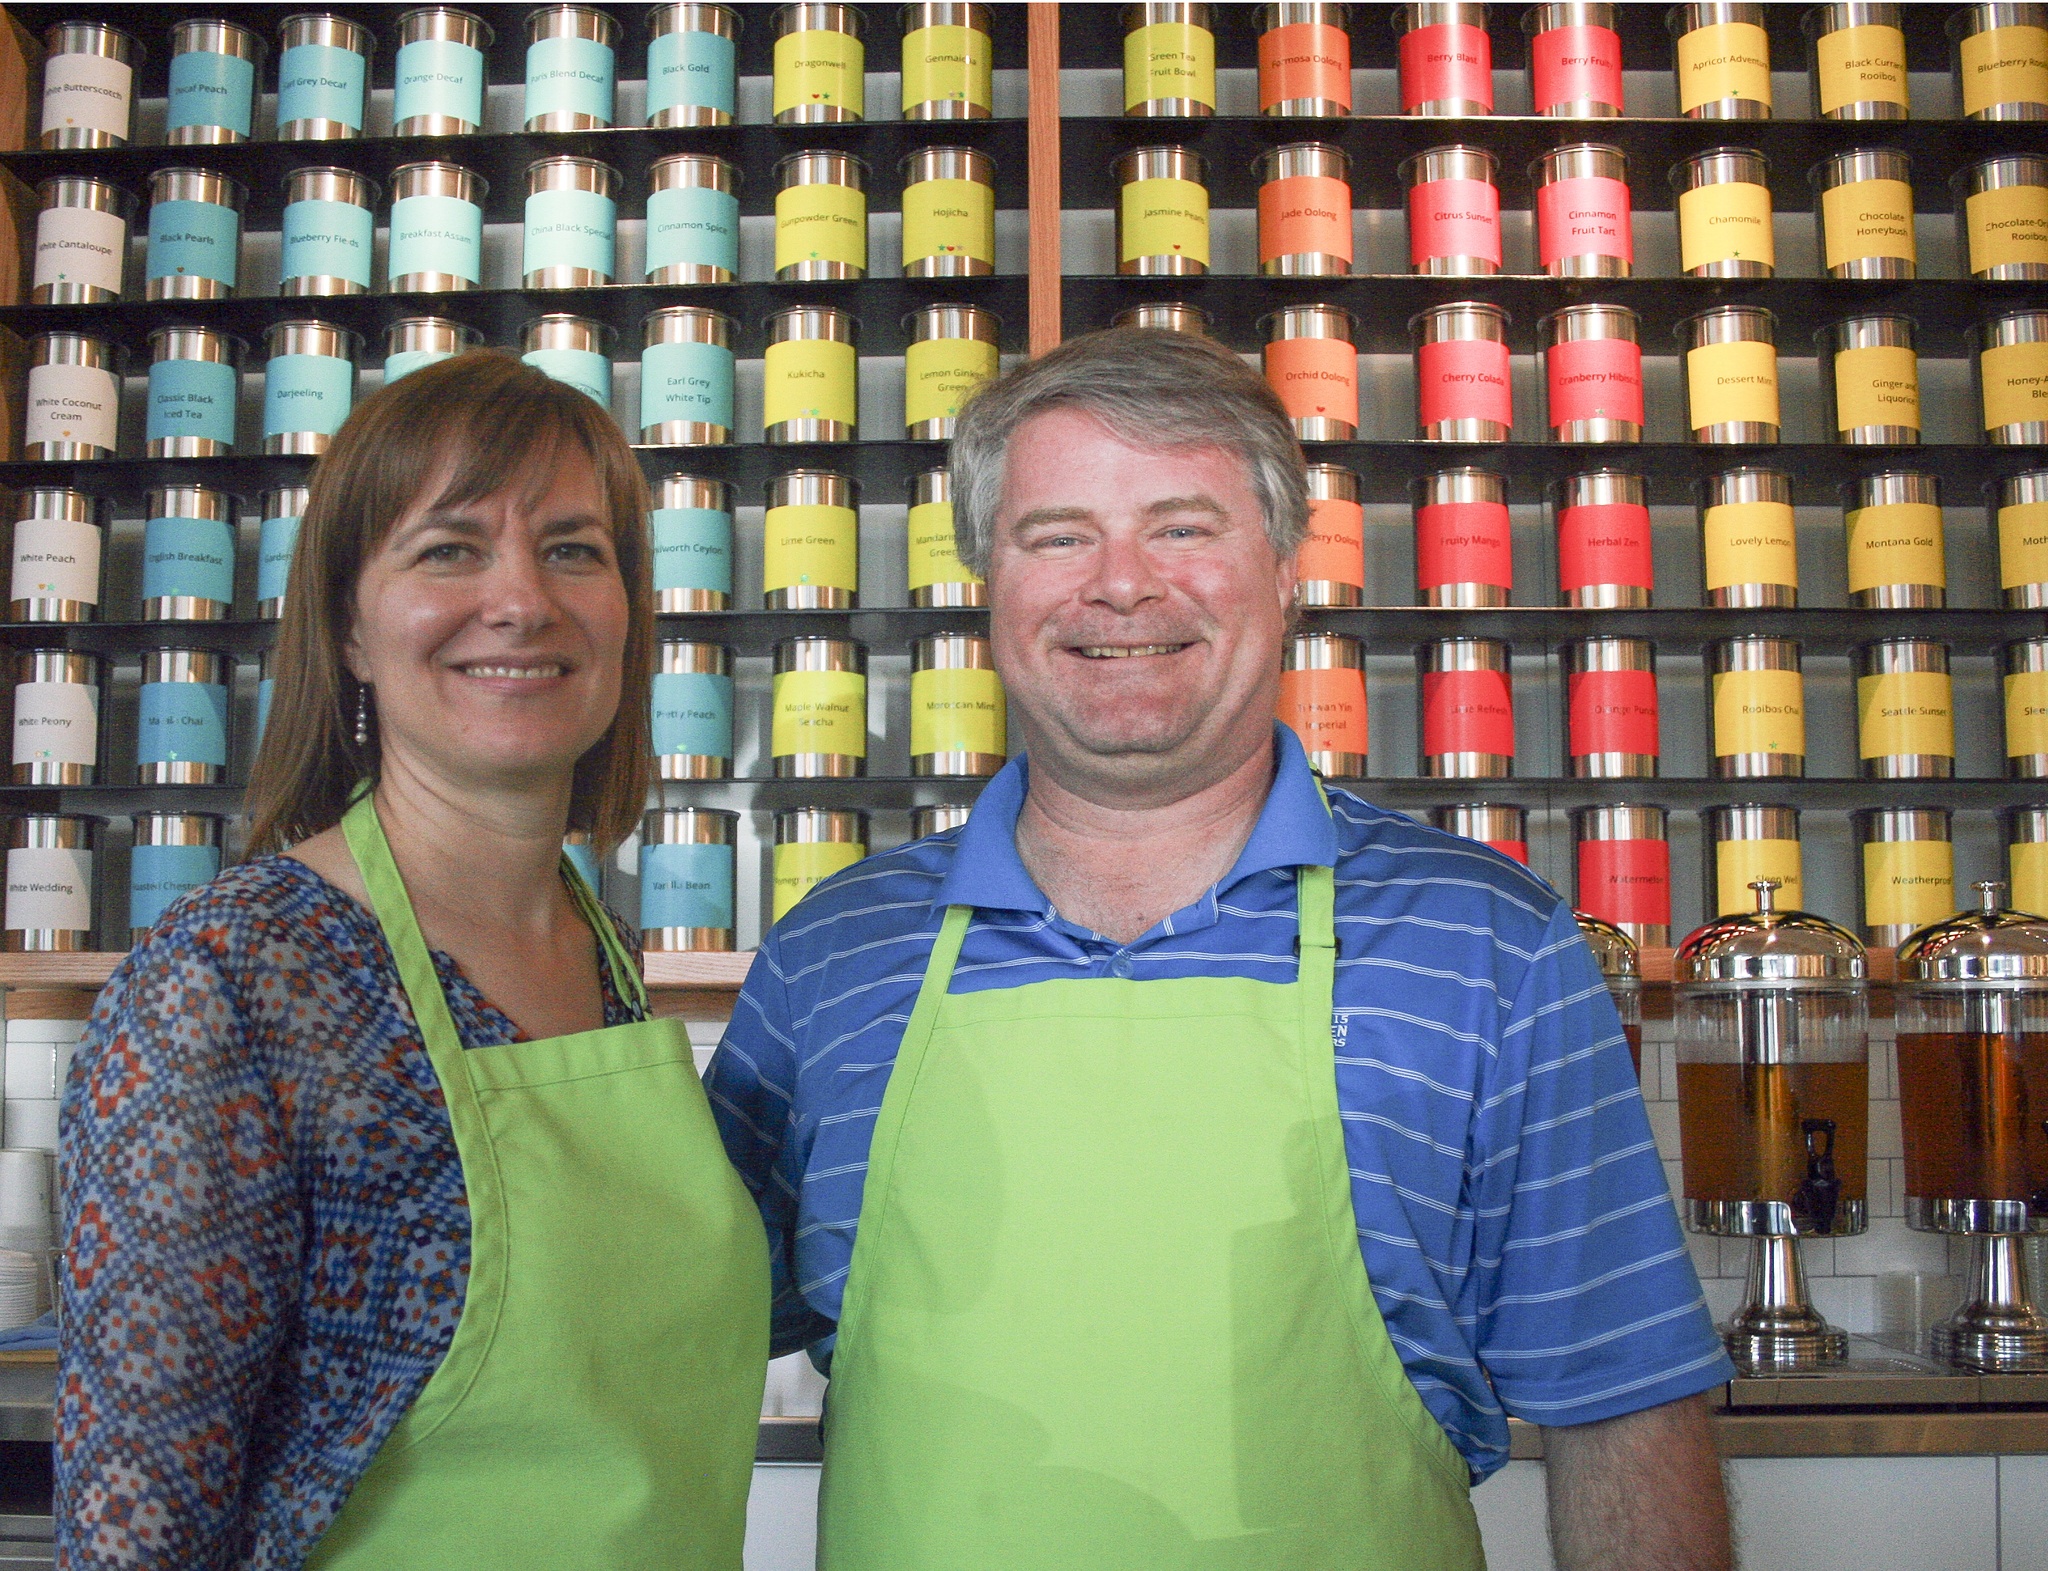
[1727, 383]
[80, 245]
[2029, 867]
[1164, 218]
[2004, 65]
[940, 373]
[819, 712]
[56, 723]
[1908, 883]
[946, 63]
[958, 711]
[1740, 863]
[1868, 218]
[1879, 385]
[1895, 543]
[72, 403]
[949, 218]
[1723, 60]
[49, 888]
[1900, 712]
[1750, 543]
[56, 559]
[818, 65]
[87, 92]
[1861, 65]
[1169, 60]
[2026, 713]
[2015, 378]
[811, 544]
[821, 222]
[934, 552]
[1759, 712]
[2007, 225]
[802, 865]
[2023, 544]
[1729, 222]
[810, 379]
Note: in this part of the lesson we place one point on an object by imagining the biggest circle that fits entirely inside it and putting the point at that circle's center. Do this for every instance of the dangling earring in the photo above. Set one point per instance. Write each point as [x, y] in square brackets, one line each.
[362, 714]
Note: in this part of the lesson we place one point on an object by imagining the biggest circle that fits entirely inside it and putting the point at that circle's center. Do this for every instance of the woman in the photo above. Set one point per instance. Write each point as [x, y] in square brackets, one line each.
[399, 1236]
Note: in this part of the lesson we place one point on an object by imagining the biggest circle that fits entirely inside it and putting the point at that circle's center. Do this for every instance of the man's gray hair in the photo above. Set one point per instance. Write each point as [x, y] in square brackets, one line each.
[1151, 388]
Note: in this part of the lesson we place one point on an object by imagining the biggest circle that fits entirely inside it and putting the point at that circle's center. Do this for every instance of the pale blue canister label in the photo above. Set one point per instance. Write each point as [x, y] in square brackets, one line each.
[407, 361]
[264, 689]
[693, 226]
[307, 393]
[583, 369]
[695, 68]
[437, 234]
[321, 82]
[157, 875]
[686, 886]
[192, 398]
[693, 713]
[188, 556]
[324, 239]
[182, 723]
[571, 229]
[439, 76]
[692, 548]
[194, 240]
[686, 382]
[584, 859]
[208, 88]
[569, 76]
[274, 547]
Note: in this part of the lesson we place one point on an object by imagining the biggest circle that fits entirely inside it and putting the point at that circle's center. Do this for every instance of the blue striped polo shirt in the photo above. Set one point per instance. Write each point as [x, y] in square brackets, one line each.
[1511, 1207]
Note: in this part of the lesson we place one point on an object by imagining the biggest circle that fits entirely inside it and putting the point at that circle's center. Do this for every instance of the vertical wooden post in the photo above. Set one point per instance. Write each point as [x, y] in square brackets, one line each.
[1042, 127]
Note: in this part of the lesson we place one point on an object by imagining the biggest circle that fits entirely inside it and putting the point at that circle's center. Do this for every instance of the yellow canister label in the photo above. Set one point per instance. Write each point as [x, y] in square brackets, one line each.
[2023, 544]
[2029, 868]
[2007, 225]
[1169, 60]
[1750, 543]
[957, 711]
[1164, 217]
[820, 712]
[948, 64]
[1868, 218]
[2026, 713]
[811, 544]
[1895, 543]
[2015, 378]
[934, 554]
[949, 218]
[810, 379]
[820, 66]
[1759, 712]
[802, 865]
[1879, 385]
[1908, 882]
[1740, 863]
[939, 373]
[1901, 712]
[1860, 65]
[1723, 60]
[2005, 65]
[1729, 222]
[1725, 383]
[821, 223]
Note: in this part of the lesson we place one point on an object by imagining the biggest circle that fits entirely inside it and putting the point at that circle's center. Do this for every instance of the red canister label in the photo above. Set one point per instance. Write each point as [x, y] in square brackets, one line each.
[1613, 712]
[1517, 849]
[1453, 218]
[1304, 213]
[1584, 216]
[1595, 379]
[1463, 543]
[1333, 552]
[1467, 712]
[1449, 60]
[1626, 880]
[1570, 63]
[1304, 60]
[1464, 379]
[1316, 378]
[1326, 708]
[1604, 543]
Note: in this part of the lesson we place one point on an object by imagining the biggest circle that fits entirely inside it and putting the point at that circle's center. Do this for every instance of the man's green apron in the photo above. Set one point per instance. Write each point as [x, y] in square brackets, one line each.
[597, 1408]
[1107, 1311]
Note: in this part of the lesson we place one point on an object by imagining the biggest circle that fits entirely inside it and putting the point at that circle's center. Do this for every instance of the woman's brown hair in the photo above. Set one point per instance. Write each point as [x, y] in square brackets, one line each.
[485, 421]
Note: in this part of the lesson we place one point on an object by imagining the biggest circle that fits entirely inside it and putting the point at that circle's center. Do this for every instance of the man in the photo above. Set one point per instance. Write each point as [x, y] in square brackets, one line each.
[1116, 1263]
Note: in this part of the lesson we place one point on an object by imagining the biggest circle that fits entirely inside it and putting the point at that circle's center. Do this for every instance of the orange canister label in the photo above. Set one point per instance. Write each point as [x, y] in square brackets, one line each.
[1304, 60]
[2007, 225]
[1900, 712]
[1316, 378]
[1750, 543]
[1727, 383]
[2015, 378]
[1333, 551]
[1723, 60]
[1879, 385]
[1164, 217]
[1895, 543]
[1868, 218]
[1740, 863]
[1908, 883]
[2003, 65]
[1304, 214]
[2023, 544]
[1728, 222]
[1326, 708]
[1861, 65]
[2026, 713]
[1759, 712]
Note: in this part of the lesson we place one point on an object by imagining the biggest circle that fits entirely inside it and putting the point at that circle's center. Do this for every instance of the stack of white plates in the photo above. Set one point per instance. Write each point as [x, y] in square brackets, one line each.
[25, 1201]
[24, 1281]
[38, 1058]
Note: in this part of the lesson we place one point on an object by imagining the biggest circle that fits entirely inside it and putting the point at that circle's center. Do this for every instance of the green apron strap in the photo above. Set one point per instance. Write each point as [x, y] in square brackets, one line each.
[393, 908]
[625, 974]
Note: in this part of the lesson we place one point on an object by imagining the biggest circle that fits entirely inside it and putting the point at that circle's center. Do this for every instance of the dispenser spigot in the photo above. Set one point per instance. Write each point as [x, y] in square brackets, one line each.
[1822, 1191]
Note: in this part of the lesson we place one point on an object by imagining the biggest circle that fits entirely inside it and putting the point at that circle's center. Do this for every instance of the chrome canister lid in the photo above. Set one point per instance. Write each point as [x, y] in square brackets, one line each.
[1994, 943]
[1612, 948]
[1768, 945]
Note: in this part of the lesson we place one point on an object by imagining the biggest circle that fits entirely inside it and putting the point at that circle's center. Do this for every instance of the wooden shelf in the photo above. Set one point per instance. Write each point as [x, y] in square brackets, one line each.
[666, 970]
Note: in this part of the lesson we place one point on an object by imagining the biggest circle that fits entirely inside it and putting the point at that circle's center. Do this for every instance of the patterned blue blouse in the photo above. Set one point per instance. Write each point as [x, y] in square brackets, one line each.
[268, 1236]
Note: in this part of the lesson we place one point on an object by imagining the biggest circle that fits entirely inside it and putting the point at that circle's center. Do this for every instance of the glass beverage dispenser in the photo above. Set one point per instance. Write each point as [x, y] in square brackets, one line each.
[1973, 1092]
[1774, 1110]
[1622, 967]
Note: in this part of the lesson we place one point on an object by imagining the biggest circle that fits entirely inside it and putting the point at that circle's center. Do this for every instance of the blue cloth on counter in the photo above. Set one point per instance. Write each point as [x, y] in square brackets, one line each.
[38, 1334]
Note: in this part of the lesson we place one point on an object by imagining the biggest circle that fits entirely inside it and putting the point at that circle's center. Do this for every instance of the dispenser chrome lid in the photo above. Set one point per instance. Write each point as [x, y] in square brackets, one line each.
[1614, 950]
[1768, 945]
[1993, 943]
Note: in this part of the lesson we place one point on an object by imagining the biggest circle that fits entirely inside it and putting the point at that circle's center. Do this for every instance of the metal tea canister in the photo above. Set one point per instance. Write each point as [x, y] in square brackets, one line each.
[687, 879]
[277, 541]
[323, 77]
[1500, 826]
[1870, 379]
[949, 351]
[1723, 197]
[1864, 203]
[328, 232]
[1446, 59]
[692, 65]
[811, 376]
[570, 233]
[821, 217]
[819, 64]
[2002, 205]
[73, 398]
[948, 70]
[440, 77]
[1169, 60]
[571, 68]
[50, 882]
[959, 723]
[81, 249]
[925, 821]
[88, 85]
[415, 341]
[692, 527]
[811, 844]
[1592, 374]
[1756, 701]
[1574, 59]
[1453, 212]
[2001, 61]
[937, 576]
[1330, 567]
[1311, 364]
[2011, 354]
[1610, 708]
[1905, 710]
[195, 385]
[1464, 393]
[1304, 211]
[949, 213]
[1892, 532]
[1162, 223]
[692, 710]
[1731, 374]
[59, 537]
[819, 723]
[1722, 57]
[188, 555]
[1464, 553]
[1166, 316]
[437, 228]
[2025, 663]
[2026, 856]
[1604, 560]
[1856, 62]
[57, 704]
[686, 377]
[211, 96]
[195, 235]
[172, 854]
[1584, 219]
[1747, 540]
[1908, 866]
[572, 349]
[811, 542]
[1304, 60]
[309, 383]
[1467, 719]
[2019, 508]
[693, 220]
[181, 735]
[1622, 866]
[1745, 841]
[1322, 700]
